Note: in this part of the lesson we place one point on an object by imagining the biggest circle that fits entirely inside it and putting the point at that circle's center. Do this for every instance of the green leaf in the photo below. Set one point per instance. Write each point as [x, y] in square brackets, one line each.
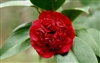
[73, 13]
[17, 42]
[95, 34]
[92, 20]
[22, 26]
[15, 3]
[68, 58]
[83, 34]
[81, 53]
[89, 2]
[79, 26]
[48, 4]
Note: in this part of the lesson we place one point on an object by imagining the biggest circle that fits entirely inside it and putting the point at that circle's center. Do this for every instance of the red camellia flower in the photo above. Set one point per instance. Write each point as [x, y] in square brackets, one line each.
[51, 33]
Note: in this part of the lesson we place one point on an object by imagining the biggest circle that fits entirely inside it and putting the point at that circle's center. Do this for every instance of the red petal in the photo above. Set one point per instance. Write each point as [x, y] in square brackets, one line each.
[63, 19]
[46, 54]
[46, 14]
[40, 51]
[72, 33]
[42, 15]
[35, 45]
[67, 46]
[35, 25]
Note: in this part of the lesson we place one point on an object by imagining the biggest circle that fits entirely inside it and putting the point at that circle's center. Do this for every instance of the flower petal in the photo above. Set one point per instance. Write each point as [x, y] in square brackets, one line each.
[35, 25]
[46, 54]
[64, 49]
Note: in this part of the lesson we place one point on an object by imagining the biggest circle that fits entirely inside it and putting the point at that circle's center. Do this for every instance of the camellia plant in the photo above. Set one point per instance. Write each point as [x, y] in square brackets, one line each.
[55, 32]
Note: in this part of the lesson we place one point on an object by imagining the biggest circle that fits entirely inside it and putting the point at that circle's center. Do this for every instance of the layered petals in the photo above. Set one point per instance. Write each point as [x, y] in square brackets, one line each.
[52, 33]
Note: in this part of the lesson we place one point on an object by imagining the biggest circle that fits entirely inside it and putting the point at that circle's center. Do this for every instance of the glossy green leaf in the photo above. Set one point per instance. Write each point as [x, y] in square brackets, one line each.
[68, 58]
[83, 34]
[17, 42]
[15, 3]
[48, 4]
[73, 13]
[95, 34]
[89, 2]
[81, 53]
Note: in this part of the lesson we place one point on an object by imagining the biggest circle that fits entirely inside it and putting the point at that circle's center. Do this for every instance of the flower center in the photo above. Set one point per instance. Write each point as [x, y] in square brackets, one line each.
[51, 32]
[52, 35]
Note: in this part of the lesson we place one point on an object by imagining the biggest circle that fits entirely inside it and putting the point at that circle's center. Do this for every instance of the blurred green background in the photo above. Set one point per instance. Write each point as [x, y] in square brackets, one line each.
[11, 17]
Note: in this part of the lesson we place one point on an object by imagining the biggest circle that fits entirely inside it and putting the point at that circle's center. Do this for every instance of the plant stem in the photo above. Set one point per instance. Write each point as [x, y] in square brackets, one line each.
[36, 9]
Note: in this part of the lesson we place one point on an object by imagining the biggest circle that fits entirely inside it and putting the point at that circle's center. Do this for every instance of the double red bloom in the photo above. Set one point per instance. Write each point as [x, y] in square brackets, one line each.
[51, 33]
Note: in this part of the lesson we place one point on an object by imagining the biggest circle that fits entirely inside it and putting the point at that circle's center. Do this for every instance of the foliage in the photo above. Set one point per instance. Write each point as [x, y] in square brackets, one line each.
[86, 47]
